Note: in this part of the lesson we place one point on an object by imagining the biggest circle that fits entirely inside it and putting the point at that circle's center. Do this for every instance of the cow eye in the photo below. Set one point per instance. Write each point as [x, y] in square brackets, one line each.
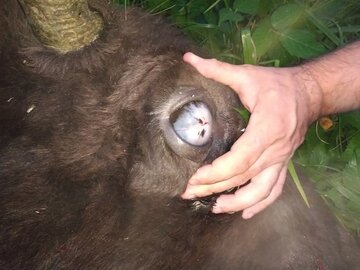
[193, 123]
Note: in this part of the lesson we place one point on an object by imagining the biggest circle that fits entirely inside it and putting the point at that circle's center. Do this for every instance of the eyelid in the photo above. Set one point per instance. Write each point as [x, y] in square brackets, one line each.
[183, 96]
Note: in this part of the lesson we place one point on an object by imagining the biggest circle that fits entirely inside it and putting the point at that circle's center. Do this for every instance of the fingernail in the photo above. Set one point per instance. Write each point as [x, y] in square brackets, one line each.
[197, 176]
[188, 194]
[247, 215]
[190, 57]
[194, 179]
[194, 57]
[216, 209]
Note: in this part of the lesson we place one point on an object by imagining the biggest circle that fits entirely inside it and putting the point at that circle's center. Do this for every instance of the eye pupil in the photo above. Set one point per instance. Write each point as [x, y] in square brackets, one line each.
[193, 123]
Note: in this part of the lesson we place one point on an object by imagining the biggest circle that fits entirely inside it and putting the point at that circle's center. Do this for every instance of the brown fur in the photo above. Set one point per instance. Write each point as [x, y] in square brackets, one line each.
[88, 180]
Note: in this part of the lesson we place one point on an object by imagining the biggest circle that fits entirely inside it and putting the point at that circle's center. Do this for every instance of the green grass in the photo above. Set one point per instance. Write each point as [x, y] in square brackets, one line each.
[284, 33]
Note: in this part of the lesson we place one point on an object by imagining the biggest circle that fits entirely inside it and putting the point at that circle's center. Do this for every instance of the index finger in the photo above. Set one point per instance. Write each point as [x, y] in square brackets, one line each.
[213, 69]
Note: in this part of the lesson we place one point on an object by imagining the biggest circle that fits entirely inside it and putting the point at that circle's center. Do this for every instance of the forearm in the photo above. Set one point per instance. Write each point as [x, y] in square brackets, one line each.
[337, 75]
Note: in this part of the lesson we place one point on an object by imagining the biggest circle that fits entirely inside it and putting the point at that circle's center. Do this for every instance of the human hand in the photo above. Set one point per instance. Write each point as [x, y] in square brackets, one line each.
[283, 102]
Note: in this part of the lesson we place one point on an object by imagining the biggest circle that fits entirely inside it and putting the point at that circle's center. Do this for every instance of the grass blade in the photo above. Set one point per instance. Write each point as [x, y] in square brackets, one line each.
[296, 180]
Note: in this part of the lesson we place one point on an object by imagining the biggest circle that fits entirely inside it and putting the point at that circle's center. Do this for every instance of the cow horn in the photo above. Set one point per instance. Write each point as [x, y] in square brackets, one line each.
[65, 25]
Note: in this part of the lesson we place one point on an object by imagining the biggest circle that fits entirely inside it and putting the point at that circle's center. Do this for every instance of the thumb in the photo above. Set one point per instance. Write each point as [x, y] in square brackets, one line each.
[221, 72]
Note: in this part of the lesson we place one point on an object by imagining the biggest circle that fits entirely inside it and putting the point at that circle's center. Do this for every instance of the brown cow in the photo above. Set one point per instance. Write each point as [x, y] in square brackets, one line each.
[100, 129]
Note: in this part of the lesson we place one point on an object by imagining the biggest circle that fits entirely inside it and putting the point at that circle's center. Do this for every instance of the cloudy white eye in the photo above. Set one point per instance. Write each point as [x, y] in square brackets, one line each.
[193, 123]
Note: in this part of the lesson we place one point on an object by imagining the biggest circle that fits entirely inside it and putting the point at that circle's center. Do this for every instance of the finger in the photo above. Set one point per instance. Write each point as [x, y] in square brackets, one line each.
[194, 191]
[253, 152]
[275, 193]
[241, 157]
[258, 189]
[202, 190]
[213, 69]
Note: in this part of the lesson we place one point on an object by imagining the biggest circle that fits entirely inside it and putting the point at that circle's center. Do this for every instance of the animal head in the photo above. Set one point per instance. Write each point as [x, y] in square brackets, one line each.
[123, 102]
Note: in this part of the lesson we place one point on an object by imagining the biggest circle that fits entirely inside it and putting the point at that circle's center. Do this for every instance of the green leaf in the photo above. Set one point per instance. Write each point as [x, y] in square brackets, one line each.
[351, 178]
[263, 37]
[348, 194]
[296, 180]
[248, 47]
[322, 27]
[244, 114]
[351, 148]
[351, 118]
[301, 43]
[286, 16]
[211, 6]
[246, 6]
[227, 14]
[211, 17]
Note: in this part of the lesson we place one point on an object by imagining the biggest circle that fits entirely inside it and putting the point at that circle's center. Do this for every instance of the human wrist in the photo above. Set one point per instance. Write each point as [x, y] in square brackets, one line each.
[310, 90]
[337, 77]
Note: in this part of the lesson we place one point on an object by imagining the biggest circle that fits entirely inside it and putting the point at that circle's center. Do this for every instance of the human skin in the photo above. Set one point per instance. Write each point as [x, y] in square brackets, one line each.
[283, 103]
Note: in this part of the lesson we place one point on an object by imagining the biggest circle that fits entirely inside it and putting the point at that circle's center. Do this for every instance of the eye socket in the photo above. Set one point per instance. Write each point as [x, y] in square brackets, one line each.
[193, 123]
[187, 120]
